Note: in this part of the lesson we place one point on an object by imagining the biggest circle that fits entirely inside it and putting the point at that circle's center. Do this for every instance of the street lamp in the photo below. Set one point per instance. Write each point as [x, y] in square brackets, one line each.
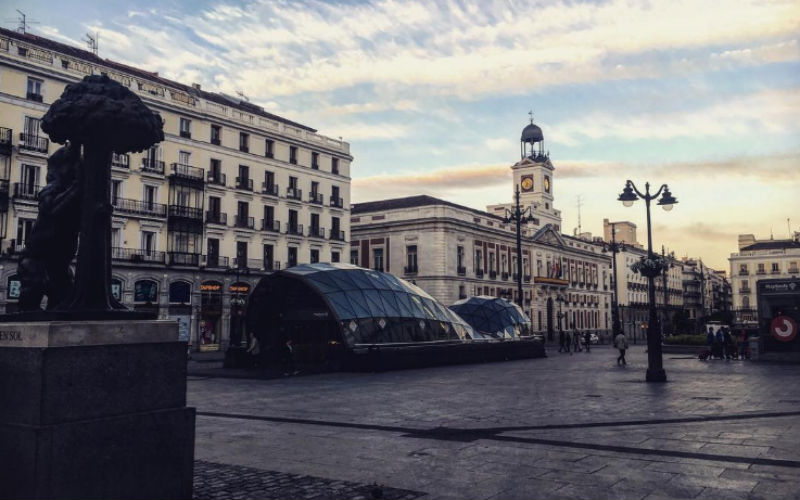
[614, 248]
[520, 216]
[650, 267]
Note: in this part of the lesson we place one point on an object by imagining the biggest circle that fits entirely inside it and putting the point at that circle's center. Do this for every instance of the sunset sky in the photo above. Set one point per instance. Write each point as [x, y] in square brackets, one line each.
[432, 95]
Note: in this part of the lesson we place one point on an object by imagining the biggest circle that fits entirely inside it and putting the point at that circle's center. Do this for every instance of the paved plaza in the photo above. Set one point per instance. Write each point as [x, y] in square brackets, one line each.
[569, 426]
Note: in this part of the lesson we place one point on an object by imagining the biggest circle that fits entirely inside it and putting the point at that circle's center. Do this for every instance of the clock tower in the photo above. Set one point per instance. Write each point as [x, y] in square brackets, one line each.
[533, 173]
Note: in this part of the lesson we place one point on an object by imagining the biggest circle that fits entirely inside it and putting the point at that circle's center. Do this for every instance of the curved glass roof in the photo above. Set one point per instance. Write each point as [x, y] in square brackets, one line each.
[377, 307]
[493, 316]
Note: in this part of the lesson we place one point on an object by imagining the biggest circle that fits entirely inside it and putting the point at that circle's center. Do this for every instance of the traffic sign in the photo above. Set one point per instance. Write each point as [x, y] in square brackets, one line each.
[783, 328]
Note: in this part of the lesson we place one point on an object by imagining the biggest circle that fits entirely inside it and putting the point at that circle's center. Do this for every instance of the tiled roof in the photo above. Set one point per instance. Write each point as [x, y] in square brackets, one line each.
[85, 55]
[772, 245]
[422, 200]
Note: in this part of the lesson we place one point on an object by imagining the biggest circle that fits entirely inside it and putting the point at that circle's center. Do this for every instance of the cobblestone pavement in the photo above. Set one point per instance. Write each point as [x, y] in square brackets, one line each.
[223, 482]
[569, 426]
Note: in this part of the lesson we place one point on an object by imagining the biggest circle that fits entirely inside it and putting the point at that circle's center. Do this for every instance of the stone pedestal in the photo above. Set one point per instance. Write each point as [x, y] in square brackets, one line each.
[94, 409]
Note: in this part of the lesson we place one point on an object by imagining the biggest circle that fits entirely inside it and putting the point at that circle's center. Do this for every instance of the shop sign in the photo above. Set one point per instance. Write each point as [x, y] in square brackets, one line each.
[239, 288]
[780, 288]
[783, 328]
[210, 287]
[14, 286]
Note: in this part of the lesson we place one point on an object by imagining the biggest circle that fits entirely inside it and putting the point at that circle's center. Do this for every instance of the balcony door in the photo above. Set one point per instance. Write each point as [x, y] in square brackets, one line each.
[32, 129]
[30, 179]
[213, 252]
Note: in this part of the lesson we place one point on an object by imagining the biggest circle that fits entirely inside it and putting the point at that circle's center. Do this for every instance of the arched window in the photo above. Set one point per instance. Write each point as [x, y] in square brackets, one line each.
[180, 292]
[145, 291]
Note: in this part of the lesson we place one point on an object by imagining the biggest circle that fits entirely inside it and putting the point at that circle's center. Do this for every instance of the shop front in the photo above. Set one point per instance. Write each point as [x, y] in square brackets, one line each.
[209, 325]
[239, 293]
[145, 296]
[180, 308]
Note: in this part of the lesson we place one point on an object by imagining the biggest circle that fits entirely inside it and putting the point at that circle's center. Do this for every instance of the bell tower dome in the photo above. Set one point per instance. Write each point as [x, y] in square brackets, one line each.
[533, 173]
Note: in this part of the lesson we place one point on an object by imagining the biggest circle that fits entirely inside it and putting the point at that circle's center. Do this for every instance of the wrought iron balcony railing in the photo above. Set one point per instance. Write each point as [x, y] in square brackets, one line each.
[244, 183]
[215, 261]
[244, 222]
[136, 207]
[316, 232]
[120, 161]
[152, 166]
[316, 198]
[138, 255]
[184, 259]
[295, 229]
[271, 225]
[214, 217]
[25, 191]
[337, 235]
[294, 193]
[186, 171]
[31, 142]
[337, 202]
[185, 212]
[216, 178]
[270, 189]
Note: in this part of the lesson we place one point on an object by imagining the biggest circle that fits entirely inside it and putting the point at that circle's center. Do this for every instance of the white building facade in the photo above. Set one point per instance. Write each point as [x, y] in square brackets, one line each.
[232, 193]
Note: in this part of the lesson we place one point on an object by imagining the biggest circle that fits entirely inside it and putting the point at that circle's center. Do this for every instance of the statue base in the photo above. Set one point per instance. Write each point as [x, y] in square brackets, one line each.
[77, 315]
[94, 409]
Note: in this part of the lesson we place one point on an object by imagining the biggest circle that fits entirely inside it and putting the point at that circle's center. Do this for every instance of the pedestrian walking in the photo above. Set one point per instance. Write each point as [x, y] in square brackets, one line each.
[568, 341]
[562, 340]
[587, 340]
[621, 343]
[743, 346]
[719, 344]
[288, 353]
[576, 341]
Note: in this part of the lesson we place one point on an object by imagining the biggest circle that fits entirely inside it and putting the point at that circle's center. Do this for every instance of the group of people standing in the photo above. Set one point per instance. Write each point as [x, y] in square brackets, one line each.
[574, 341]
[722, 344]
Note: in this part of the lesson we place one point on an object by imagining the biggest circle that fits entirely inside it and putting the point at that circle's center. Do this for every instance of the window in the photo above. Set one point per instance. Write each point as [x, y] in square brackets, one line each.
[491, 262]
[293, 227]
[241, 254]
[761, 269]
[30, 134]
[148, 242]
[334, 256]
[504, 263]
[377, 259]
[292, 256]
[215, 172]
[269, 256]
[269, 181]
[242, 214]
[216, 134]
[336, 199]
[293, 182]
[335, 165]
[315, 161]
[336, 231]
[184, 157]
[269, 218]
[314, 257]
[244, 142]
[775, 268]
[354, 257]
[145, 291]
[180, 292]
[30, 180]
[35, 89]
[411, 258]
[243, 181]
[150, 196]
[212, 250]
[293, 155]
[186, 128]
[742, 268]
[460, 258]
[116, 188]
[269, 148]
[315, 196]
[116, 237]
[214, 205]
[24, 228]
[479, 261]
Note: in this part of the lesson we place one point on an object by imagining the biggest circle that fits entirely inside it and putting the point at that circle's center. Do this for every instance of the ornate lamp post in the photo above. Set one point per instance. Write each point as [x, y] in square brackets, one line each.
[560, 300]
[520, 216]
[650, 267]
[614, 248]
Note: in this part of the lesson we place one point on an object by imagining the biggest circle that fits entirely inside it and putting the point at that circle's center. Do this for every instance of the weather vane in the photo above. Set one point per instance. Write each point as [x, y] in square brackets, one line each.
[531, 115]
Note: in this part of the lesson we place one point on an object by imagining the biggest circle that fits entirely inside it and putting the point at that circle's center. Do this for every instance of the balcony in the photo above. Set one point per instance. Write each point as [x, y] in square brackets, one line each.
[244, 148]
[295, 229]
[5, 140]
[215, 178]
[31, 142]
[120, 161]
[743, 272]
[244, 222]
[33, 96]
[269, 189]
[214, 261]
[492, 274]
[186, 134]
[775, 271]
[138, 255]
[185, 212]
[136, 207]
[271, 225]
[25, 191]
[215, 217]
[761, 271]
[793, 270]
[244, 183]
[337, 202]
[187, 172]
[215, 141]
[271, 265]
[3, 195]
[337, 235]
[410, 269]
[461, 270]
[526, 278]
[248, 264]
[504, 276]
[316, 232]
[479, 273]
[294, 193]
[184, 259]
[152, 166]
[316, 198]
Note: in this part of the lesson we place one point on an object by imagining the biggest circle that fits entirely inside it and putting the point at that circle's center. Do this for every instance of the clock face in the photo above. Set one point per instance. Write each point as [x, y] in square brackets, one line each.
[546, 184]
[527, 183]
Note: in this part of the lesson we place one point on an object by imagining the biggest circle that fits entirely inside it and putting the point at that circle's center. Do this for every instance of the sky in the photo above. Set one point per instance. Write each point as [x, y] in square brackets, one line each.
[432, 95]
